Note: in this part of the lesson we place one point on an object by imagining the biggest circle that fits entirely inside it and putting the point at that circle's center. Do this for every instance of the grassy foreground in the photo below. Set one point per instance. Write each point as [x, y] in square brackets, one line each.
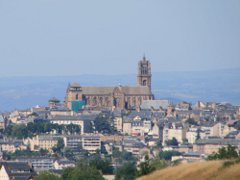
[212, 170]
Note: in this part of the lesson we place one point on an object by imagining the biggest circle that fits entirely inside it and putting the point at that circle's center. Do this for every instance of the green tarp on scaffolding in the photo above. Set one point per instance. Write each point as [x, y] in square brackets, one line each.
[77, 105]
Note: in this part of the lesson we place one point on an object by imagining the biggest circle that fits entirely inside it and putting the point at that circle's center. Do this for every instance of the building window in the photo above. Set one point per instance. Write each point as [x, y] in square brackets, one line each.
[144, 82]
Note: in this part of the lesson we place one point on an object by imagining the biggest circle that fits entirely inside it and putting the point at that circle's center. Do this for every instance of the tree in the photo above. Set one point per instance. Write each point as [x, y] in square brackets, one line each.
[191, 121]
[150, 165]
[126, 172]
[167, 155]
[83, 171]
[67, 173]
[103, 125]
[158, 163]
[123, 156]
[59, 147]
[47, 176]
[145, 167]
[102, 164]
[68, 153]
[225, 153]
[172, 142]
[73, 128]
[19, 131]
[198, 134]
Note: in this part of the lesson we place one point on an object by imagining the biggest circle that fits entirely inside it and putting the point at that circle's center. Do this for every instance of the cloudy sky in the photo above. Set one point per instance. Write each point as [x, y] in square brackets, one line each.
[71, 37]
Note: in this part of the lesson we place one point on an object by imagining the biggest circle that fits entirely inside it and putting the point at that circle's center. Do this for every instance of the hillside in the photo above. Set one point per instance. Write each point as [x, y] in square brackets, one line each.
[211, 170]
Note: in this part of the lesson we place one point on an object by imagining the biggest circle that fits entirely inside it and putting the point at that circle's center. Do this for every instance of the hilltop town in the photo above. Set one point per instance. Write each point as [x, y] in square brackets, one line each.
[113, 126]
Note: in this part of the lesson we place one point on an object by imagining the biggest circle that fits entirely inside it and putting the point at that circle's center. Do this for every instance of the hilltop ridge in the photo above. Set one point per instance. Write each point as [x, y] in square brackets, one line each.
[209, 170]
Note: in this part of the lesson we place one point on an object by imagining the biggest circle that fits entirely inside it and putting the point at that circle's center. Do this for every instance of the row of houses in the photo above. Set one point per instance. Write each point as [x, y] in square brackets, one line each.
[88, 142]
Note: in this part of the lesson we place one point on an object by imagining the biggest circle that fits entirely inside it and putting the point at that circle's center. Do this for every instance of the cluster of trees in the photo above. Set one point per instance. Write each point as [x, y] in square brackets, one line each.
[27, 152]
[61, 151]
[167, 155]
[81, 171]
[229, 152]
[129, 170]
[40, 127]
[91, 168]
[103, 124]
[123, 157]
[191, 121]
[172, 142]
[94, 166]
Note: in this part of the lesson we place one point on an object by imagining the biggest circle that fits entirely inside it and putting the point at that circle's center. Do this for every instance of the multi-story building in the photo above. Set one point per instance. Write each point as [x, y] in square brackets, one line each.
[11, 145]
[46, 142]
[118, 122]
[173, 130]
[209, 146]
[74, 142]
[66, 120]
[137, 128]
[91, 143]
[193, 133]
[221, 129]
[127, 126]
[136, 147]
[39, 163]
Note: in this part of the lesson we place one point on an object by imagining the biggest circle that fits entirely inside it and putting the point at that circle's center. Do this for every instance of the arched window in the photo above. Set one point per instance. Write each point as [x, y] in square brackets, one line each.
[76, 96]
[144, 82]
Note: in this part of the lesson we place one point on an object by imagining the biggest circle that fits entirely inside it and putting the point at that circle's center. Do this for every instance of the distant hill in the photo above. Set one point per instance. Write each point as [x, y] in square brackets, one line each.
[210, 170]
[218, 85]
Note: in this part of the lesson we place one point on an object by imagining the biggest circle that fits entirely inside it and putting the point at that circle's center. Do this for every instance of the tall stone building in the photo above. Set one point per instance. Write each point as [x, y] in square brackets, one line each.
[119, 97]
[144, 77]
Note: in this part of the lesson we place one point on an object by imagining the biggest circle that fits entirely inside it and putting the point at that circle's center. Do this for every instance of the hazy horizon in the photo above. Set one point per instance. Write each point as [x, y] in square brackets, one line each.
[219, 86]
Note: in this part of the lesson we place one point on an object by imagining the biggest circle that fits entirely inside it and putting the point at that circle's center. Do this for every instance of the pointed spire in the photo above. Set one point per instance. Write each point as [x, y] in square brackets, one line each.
[144, 57]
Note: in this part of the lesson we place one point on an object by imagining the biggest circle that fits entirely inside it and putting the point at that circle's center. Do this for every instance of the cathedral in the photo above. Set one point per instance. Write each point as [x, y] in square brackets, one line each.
[119, 97]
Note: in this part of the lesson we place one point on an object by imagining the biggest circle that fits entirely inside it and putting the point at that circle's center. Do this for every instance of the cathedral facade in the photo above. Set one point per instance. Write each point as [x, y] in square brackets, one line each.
[119, 97]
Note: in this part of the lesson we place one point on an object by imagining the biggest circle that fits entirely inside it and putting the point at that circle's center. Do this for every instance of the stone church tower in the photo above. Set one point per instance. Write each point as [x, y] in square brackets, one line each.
[119, 97]
[144, 73]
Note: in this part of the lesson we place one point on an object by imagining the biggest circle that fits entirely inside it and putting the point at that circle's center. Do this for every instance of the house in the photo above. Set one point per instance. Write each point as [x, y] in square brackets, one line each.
[137, 128]
[11, 145]
[16, 170]
[136, 147]
[60, 111]
[39, 163]
[221, 129]
[2, 122]
[193, 133]
[183, 106]
[155, 104]
[233, 135]
[127, 126]
[118, 121]
[189, 157]
[209, 146]
[46, 142]
[60, 164]
[155, 131]
[173, 130]
[66, 120]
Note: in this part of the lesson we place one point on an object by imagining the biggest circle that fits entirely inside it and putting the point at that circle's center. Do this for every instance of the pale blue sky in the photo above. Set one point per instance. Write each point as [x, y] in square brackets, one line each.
[70, 37]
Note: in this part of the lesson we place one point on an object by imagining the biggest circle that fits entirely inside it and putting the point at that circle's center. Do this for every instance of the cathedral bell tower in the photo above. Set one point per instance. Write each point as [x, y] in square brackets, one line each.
[144, 73]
